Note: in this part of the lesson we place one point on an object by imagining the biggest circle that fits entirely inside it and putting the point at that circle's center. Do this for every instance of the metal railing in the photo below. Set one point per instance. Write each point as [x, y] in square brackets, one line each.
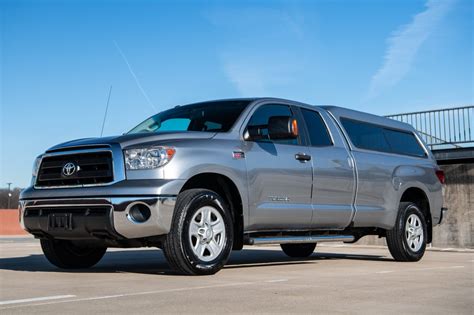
[443, 128]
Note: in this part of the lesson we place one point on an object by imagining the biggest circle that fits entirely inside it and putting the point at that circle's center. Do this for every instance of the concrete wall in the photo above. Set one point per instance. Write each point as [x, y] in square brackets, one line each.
[457, 229]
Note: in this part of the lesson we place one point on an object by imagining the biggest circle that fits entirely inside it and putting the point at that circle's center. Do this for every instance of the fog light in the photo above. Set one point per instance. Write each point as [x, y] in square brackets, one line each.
[139, 213]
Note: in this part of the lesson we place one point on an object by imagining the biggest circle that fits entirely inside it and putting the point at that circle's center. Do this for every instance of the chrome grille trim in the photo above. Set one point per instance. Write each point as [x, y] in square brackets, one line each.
[118, 165]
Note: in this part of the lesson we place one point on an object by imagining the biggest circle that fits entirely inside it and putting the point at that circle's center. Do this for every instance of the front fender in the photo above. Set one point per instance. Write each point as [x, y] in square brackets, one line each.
[215, 157]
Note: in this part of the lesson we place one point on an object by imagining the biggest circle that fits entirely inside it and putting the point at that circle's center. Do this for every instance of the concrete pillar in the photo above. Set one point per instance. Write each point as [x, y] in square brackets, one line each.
[457, 229]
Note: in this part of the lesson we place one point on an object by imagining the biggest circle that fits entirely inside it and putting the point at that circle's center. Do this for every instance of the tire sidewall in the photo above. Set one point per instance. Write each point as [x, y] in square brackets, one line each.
[409, 210]
[213, 200]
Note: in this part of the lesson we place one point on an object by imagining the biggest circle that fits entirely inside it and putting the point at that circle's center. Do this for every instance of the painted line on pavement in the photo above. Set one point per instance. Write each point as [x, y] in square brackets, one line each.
[439, 268]
[37, 299]
[95, 298]
[420, 269]
[277, 280]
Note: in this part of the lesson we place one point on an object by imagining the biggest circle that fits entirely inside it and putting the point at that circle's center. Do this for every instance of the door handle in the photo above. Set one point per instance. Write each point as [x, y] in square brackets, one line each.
[303, 157]
[350, 162]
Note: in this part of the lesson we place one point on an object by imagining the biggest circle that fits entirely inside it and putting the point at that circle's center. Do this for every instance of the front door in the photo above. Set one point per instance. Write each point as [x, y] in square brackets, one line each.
[279, 184]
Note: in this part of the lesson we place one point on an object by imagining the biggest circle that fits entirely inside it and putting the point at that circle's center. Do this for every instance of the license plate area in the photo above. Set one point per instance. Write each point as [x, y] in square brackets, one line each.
[60, 221]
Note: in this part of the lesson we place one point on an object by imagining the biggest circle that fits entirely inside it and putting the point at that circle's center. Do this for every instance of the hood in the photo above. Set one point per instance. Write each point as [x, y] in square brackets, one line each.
[134, 139]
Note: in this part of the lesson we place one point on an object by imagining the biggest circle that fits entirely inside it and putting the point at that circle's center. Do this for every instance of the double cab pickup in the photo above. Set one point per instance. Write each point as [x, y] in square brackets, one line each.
[201, 180]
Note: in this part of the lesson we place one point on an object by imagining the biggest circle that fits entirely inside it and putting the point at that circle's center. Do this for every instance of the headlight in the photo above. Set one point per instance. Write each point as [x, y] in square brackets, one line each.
[147, 158]
[36, 166]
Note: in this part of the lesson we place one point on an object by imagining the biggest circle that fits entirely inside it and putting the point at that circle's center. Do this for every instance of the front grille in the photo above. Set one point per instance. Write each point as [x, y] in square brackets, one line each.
[93, 168]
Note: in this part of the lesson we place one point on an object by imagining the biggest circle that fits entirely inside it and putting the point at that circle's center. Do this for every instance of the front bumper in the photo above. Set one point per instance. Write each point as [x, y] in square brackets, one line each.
[96, 217]
[99, 211]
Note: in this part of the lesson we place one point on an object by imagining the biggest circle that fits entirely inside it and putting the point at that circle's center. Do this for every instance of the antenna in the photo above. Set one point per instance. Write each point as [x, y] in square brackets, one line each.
[134, 76]
[106, 110]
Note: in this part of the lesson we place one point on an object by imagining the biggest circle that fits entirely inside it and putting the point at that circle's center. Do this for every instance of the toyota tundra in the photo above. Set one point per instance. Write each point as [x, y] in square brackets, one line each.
[201, 180]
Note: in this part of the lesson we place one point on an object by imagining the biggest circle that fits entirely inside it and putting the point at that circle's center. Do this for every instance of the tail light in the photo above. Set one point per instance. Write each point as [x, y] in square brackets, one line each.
[441, 176]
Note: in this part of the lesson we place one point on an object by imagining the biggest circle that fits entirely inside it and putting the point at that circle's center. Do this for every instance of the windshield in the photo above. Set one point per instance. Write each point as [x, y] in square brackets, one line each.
[218, 116]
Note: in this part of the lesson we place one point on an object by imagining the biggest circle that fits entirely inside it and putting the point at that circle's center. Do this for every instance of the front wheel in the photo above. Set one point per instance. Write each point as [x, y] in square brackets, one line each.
[298, 250]
[407, 240]
[69, 255]
[201, 236]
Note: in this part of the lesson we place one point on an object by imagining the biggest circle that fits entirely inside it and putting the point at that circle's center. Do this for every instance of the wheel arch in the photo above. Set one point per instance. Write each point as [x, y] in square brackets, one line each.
[227, 189]
[420, 198]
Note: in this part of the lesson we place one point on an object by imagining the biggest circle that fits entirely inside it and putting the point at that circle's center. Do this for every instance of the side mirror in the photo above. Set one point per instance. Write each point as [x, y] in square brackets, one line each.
[253, 133]
[282, 127]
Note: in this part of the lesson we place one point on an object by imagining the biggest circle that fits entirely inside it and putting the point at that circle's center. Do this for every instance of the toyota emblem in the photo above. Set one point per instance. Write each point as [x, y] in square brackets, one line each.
[69, 169]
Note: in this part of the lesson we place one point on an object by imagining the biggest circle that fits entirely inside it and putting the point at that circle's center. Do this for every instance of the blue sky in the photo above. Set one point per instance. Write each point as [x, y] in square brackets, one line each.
[59, 58]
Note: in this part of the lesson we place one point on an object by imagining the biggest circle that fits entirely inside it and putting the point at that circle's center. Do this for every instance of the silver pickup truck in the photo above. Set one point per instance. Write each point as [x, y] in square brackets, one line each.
[201, 180]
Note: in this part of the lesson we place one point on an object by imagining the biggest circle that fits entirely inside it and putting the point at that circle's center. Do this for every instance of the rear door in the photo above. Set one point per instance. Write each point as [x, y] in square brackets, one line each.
[334, 179]
[279, 185]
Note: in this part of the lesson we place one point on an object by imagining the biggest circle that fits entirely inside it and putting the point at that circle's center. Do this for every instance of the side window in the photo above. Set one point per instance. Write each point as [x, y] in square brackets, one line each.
[318, 133]
[373, 137]
[366, 136]
[212, 126]
[259, 120]
[403, 143]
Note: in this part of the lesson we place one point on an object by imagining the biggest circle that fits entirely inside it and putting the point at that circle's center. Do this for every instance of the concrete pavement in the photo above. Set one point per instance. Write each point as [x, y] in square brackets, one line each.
[335, 279]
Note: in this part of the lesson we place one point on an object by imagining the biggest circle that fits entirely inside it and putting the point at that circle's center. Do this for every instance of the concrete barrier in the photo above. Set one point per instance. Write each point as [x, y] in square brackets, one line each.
[457, 229]
[9, 224]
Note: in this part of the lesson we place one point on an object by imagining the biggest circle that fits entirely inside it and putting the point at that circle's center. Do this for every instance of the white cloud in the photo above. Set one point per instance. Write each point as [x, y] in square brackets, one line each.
[256, 75]
[404, 44]
[259, 64]
[248, 79]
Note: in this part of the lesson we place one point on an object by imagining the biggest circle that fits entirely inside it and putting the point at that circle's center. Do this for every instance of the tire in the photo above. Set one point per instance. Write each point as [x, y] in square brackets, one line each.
[407, 240]
[201, 236]
[67, 255]
[298, 250]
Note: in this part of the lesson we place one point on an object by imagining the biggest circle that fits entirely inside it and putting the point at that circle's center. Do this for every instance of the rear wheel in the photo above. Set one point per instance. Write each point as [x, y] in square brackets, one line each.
[201, 236]
[407, 240]
[68, 255]
[298, 250]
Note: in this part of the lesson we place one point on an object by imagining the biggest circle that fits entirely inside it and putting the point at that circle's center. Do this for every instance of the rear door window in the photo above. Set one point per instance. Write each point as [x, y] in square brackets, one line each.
[318, 133]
